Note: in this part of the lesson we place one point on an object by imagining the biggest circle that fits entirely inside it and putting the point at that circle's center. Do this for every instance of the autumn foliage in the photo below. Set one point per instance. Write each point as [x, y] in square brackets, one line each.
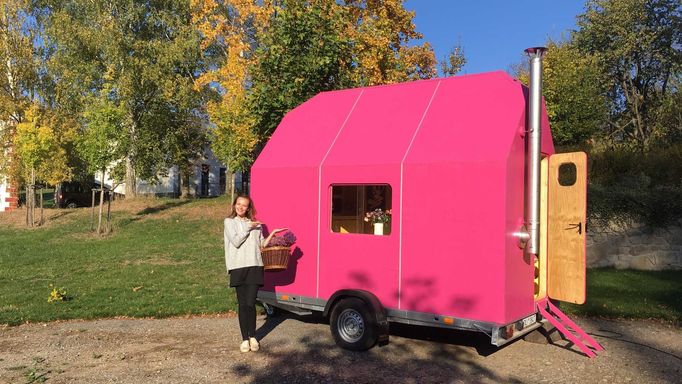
[266, 57]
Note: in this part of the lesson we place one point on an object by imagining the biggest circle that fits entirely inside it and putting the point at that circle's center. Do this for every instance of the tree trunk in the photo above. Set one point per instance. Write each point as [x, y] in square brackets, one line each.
[184, 182]
[131, 180]
[92, 212]
[229, 183]
[101, 202]
[131, 177]
[108, 227]
[41, 207]
[232, 187]
[26, 204]
[101, 205]
[33, 197]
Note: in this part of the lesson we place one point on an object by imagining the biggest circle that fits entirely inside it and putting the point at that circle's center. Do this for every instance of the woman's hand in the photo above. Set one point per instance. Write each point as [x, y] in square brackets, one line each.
[254, 224]
[267, 241]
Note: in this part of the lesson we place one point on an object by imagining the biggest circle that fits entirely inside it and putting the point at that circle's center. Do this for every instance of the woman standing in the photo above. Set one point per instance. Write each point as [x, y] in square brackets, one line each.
[243, 241]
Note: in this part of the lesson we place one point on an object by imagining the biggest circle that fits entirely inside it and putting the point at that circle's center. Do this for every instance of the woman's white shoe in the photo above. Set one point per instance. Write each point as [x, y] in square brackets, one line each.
[244, 346]
[253, 344]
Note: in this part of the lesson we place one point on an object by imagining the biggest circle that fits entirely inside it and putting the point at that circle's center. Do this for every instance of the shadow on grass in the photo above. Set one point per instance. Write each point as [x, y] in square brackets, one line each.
[60, 214]
[633, 294]
[404, 359]
[162, 207]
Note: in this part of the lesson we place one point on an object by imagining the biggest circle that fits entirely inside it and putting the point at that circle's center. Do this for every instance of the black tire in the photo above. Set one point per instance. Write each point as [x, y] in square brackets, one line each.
[71, 205]
[353, 325]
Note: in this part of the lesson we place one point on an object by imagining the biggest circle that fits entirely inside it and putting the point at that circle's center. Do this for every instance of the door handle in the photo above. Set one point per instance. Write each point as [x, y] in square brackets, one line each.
[579, 226]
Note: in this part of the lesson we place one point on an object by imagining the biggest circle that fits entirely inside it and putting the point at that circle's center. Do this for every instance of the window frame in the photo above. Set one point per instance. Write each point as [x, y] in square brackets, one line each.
[361, 208]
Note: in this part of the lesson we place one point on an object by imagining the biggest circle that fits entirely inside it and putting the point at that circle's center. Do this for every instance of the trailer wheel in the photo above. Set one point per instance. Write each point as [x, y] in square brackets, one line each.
[353, 325]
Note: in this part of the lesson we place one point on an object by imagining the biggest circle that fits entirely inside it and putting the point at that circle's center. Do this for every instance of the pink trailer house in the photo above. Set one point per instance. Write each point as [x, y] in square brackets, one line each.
[452, 159]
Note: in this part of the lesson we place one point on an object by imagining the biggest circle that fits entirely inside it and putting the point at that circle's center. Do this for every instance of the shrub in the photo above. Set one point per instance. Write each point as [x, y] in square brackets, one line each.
[629, 186]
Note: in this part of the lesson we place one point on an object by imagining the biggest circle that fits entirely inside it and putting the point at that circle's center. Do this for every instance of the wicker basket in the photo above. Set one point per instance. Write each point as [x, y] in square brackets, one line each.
[275, 258]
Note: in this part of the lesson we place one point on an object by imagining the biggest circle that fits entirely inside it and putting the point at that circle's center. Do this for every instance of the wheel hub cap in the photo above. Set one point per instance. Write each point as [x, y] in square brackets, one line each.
[351, 326]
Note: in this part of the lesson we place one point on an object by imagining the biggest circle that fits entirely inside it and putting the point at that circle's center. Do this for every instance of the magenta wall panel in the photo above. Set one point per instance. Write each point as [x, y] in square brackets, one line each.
[305, 134]
[458, 164]
[369, 150]
[285, 181]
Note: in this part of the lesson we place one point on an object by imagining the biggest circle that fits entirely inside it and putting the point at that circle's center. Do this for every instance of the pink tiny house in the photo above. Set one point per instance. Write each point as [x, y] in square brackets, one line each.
[449, 159]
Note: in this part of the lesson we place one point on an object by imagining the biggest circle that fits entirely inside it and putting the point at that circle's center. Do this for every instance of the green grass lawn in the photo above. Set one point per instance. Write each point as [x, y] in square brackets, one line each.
[168, 265]
[632, 294]
[165, 258]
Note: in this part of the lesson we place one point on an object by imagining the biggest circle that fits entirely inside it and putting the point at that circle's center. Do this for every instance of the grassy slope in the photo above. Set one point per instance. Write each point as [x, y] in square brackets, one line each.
[165, 258]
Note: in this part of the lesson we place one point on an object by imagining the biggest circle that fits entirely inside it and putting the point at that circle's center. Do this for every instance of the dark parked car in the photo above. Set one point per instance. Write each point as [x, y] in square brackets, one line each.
[74, 194]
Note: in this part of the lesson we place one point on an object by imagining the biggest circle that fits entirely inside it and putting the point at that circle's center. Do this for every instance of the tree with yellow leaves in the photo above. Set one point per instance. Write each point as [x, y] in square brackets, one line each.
[40, 154]
[453, 63]
[381, 31]
[267, 57]
[229, 31]
[19, 77]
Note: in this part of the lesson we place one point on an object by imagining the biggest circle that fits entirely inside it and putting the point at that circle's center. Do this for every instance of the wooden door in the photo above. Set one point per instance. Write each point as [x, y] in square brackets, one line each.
[566, 213]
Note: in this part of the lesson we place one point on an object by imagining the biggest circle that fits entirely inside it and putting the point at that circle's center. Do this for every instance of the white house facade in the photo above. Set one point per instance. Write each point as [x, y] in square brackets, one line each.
[209, 179]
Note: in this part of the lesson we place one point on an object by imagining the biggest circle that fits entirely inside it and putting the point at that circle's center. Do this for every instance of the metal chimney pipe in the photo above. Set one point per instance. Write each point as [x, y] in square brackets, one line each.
[533, 155]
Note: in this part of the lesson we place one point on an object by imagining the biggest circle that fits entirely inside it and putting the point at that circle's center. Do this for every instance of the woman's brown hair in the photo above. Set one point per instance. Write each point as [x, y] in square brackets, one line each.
[250, 213]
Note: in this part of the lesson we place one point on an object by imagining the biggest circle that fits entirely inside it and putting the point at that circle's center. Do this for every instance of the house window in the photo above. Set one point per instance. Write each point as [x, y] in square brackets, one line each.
[351, 204]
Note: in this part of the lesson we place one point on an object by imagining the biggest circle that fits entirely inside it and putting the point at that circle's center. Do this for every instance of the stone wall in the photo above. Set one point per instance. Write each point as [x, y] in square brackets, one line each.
[635, 247]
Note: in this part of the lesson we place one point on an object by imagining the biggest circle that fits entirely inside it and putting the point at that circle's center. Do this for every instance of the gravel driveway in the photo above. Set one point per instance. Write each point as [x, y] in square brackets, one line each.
[300, 350]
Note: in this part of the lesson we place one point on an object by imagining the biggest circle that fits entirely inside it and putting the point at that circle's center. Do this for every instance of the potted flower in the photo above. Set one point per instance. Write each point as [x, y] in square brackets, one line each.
[378, 218]
[276, 254]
